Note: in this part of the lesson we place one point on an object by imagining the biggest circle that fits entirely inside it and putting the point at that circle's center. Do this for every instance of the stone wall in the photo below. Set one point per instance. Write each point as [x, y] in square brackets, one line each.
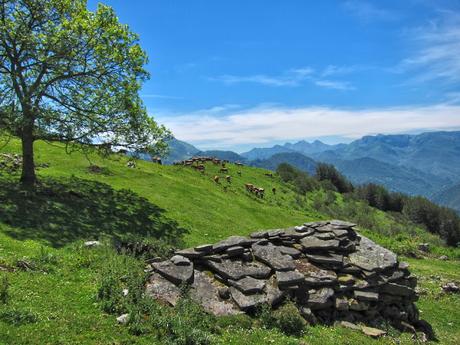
[330, 271]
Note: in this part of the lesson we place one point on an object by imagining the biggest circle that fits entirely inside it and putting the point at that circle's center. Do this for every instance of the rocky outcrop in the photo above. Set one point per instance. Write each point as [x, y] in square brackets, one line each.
[331, 272]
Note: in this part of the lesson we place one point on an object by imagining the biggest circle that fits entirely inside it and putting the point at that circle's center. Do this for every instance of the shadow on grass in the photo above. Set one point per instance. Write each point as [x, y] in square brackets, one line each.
[66, 210]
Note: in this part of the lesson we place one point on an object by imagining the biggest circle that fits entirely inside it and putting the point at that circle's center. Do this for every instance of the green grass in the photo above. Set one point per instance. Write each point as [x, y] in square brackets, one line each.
[56, 302]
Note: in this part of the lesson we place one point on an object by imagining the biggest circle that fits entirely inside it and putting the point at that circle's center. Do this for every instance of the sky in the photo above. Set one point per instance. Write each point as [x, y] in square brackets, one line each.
[238, 74]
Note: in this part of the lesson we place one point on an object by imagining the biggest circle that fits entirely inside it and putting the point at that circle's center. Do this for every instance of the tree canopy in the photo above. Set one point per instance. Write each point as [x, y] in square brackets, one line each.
[72, 75]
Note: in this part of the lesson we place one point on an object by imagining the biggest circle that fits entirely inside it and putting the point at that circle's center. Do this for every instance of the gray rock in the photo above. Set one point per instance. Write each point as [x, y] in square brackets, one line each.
[341, 303]
[324, 235]
[327, 259]
[451, 288]
[236, 269]
[205, 291]
[234, 251]
[366, 296]
[341, 233]
[180, 260]
[91, 244]
[248, 285]
[245, 302]
[372, 257]
[315, 276]
[123, 319]
[294, 253]
[162, 289]
[289, 278]
[204, 248]
[314, 243]
[358, 305]
[274, 294]
[176, 274]
[349, 325]
[273, 257]
[373, 332]
[190, 253]
[259, 234]
[308, 315]
[398, 290]
[275, 233]
[320, 299]
[341, 224]
[231, 242]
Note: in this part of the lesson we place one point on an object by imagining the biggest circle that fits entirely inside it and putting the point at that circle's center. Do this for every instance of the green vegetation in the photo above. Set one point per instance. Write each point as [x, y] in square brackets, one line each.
[72, 75]
[60, 292]
[407, 210]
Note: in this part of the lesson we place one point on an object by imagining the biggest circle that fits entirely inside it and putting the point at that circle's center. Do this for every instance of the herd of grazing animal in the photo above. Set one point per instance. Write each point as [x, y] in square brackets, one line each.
[198, 164]
[259, 192]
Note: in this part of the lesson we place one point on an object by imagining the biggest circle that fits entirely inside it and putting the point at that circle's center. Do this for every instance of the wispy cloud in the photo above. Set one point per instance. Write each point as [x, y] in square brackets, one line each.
[436, 53]
[264, 124]
[292, 77]
[369, 12]
[336, 85]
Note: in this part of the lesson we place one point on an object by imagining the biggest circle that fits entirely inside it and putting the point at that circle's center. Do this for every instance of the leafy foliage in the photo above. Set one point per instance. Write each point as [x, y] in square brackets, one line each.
[72, 75]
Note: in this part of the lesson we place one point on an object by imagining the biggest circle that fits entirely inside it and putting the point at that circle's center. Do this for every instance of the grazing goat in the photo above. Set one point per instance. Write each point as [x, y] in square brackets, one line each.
[268, 174]
[228, 178]
[216, 179]
[223, 170]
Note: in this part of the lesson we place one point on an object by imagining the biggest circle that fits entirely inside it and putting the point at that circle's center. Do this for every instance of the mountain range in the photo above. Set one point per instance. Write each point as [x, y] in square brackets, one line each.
[426, 164]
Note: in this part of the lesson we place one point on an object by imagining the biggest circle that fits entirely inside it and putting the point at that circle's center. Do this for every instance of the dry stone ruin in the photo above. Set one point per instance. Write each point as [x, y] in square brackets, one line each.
[331, 272]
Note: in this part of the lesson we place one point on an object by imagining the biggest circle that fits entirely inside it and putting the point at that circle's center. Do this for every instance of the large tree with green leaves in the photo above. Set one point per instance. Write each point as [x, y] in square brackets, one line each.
[72, 75]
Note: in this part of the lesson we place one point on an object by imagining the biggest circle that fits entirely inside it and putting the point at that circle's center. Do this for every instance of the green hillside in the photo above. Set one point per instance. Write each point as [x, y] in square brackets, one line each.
[49, 282]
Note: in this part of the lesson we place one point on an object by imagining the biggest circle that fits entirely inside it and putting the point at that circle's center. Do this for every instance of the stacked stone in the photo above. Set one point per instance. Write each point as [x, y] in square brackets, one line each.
[330, 271]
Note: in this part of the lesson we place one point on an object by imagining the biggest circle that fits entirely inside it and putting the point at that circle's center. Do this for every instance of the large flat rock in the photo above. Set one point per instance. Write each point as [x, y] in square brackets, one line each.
[314, 275]
[273, 257]
[204, 291]
[245, 302]
[237, 269]
[162, 289]
[177, 274]
[370, 256]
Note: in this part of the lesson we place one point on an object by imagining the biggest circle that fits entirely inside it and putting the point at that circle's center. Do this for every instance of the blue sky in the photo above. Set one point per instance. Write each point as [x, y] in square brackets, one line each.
[238, 74]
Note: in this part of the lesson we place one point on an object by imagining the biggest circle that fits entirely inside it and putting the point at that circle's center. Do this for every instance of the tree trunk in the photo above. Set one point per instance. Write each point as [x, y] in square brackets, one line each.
[28, 176]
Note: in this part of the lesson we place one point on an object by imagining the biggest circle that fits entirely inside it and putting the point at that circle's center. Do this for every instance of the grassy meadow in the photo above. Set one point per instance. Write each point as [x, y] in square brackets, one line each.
[50, 283]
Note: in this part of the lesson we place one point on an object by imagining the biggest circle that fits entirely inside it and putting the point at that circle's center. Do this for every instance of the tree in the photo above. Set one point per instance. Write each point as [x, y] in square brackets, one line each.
[329, 172]
[71, 75]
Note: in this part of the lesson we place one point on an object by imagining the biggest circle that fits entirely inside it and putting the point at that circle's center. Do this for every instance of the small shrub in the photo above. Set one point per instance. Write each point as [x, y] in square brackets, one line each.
[4, 287]
[18, 317]
[287, 319]
[186, 324]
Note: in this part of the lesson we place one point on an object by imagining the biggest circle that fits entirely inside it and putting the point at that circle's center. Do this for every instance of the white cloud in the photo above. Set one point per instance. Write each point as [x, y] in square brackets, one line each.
[368, 12]
[267, 124]
[292, 77]
[337, 85]
[436, 51]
